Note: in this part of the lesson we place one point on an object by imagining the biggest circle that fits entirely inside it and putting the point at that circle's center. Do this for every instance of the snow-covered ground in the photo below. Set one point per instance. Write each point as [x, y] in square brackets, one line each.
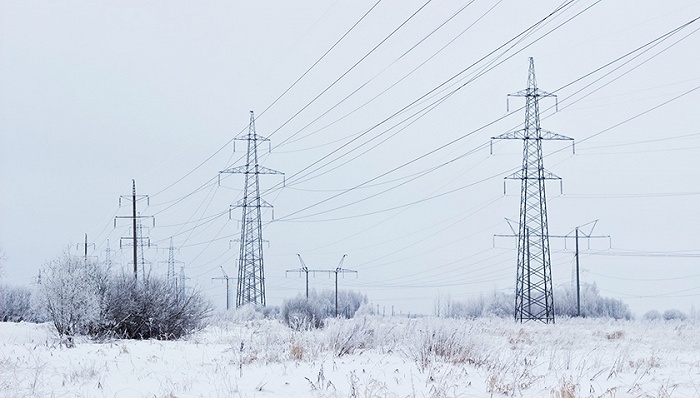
[365, 357]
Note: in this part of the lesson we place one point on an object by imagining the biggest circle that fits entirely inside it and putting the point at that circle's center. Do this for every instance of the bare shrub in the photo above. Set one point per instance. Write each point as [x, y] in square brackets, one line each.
[150, 308]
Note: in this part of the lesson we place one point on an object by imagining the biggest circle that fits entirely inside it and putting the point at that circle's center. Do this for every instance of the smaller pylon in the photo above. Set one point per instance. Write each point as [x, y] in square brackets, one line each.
[170, 273]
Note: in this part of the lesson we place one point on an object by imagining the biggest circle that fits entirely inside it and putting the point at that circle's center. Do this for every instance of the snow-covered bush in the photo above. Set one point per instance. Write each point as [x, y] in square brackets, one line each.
[652, 315]
[70, 295]
[592, 303]
[15, 304]
[80, 297]
[674, 314]
[302, 313]
[497, 304]
[501, 305]
[245, 313]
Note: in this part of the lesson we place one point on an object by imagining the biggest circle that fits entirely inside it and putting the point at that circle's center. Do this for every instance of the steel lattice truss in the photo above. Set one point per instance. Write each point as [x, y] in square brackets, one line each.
[251, 274]
[533, 289]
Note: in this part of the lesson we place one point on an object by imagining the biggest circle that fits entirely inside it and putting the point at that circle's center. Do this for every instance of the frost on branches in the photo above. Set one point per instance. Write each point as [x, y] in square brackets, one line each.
[81, 298]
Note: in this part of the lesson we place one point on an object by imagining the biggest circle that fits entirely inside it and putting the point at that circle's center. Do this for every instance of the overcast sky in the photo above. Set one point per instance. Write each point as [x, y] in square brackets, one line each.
[384, 140]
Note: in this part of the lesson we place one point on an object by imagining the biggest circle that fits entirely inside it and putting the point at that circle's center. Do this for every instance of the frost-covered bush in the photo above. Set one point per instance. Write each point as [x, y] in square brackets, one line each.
[674, 314]
[592, 303]
[502, 305]
[79, 297]
[302, 313]
[652, 315]
[15, 304]
[246, 313]
[70, 294]
[497, 304]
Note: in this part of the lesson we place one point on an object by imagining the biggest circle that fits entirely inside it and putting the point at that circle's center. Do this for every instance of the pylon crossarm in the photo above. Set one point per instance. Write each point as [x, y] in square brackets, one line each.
[531, 92]
[246, 203]
[549, 135]
[511, 135]
[245, 170]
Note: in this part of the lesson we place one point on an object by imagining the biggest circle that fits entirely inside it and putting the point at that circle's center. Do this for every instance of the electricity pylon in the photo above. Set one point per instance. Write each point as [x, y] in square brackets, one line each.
[534, 299]
[251, 274]
[170, 277]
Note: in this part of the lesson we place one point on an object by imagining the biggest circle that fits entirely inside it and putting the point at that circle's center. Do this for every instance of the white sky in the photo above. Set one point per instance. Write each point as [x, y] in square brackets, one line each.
[93, 94]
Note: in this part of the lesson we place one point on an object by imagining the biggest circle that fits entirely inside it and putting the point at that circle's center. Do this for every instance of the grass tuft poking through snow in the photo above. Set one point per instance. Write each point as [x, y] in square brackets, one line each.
[245, 355]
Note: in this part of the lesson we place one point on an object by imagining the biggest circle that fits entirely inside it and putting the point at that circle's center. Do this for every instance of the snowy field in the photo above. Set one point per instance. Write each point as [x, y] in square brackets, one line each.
[364, 357]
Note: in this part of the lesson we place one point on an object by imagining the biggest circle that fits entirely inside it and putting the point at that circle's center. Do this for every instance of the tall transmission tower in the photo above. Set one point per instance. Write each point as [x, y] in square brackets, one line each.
[534, 299]
[251, 274]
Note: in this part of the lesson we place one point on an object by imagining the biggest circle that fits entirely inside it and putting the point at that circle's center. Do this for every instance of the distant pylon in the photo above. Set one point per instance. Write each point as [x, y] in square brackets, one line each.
[534, 299]
[170, 273]
[251, 274]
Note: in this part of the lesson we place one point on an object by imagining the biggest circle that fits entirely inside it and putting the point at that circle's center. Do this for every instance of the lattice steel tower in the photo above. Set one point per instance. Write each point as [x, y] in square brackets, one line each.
[533, 287]
[251, 274]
